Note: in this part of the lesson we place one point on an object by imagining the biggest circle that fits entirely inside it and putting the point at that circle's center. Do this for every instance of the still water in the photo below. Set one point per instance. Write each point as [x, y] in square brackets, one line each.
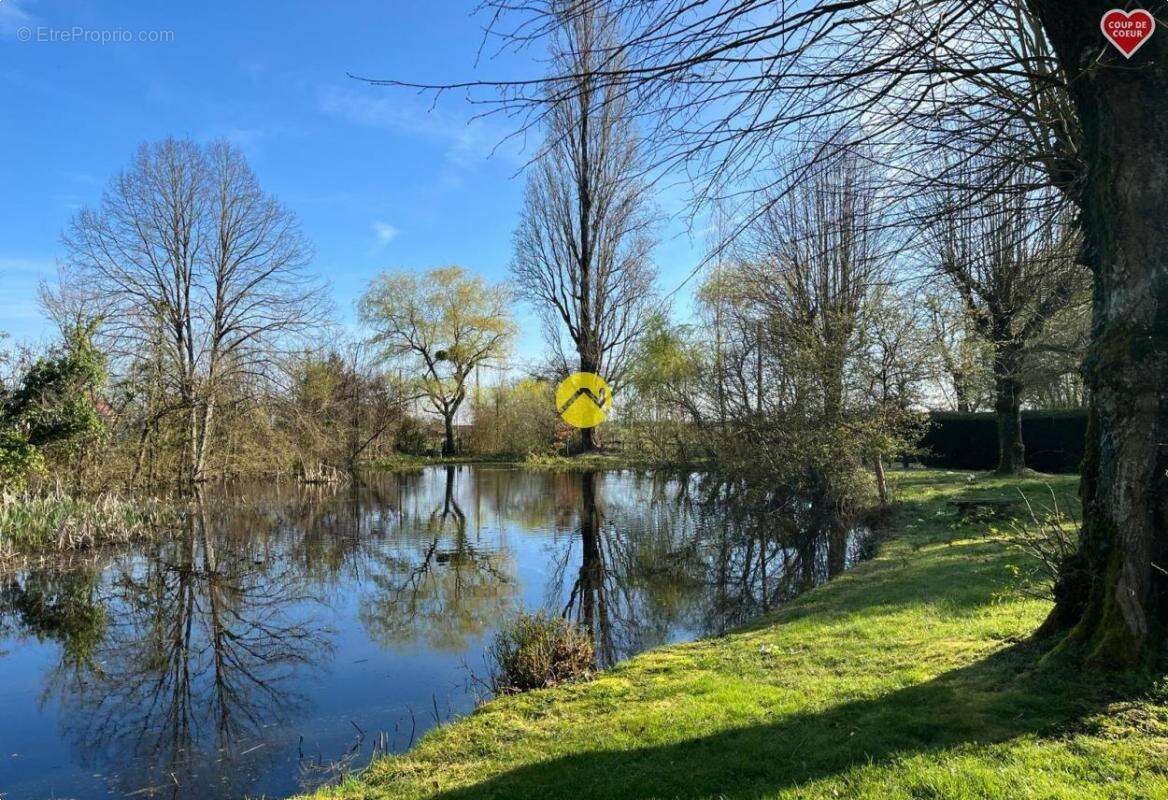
[290, 632]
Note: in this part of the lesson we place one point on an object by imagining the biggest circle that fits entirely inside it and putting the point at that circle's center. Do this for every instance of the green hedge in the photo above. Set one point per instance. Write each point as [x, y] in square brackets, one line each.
[1054, 440]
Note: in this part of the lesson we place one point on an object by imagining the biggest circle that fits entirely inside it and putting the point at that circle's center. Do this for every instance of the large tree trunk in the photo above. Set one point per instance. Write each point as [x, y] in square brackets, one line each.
[1113, 596]
[587, 440]
[585, 188]
[1008, 407]
[959, 390]
[587, 364]
[448, 442]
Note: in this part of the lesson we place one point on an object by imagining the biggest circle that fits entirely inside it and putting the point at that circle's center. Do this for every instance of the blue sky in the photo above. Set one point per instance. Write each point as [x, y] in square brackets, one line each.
[378, 178]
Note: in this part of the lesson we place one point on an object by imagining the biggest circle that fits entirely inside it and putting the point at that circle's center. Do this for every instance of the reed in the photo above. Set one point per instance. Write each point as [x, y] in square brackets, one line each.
[56, 521]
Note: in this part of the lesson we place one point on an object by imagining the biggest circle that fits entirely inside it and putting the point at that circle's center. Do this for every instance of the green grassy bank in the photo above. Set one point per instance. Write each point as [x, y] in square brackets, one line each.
[910, 676]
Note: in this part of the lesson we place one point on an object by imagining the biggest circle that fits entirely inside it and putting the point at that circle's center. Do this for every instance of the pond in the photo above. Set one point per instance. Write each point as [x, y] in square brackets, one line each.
[290, 633]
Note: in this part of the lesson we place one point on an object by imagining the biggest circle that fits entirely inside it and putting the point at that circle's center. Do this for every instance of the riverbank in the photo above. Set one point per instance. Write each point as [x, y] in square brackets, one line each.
[910, 676]
[587, 461]
[50, 522]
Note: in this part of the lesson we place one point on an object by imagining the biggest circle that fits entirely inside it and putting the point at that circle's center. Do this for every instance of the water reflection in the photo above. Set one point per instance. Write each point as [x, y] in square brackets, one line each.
[57, 606]
[438, 586]
[202, 648]
[283, 620]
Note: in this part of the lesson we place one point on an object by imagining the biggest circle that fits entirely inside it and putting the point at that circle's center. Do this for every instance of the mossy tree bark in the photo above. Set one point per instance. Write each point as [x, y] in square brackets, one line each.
[1112, 598]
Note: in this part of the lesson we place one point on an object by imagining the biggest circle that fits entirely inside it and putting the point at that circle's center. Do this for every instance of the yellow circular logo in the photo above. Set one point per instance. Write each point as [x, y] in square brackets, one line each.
[583, 399]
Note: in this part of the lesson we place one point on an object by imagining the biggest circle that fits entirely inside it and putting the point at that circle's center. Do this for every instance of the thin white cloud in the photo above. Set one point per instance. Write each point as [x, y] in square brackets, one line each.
[466, 140]
[244, 137]
[13, 17]
[385, 232]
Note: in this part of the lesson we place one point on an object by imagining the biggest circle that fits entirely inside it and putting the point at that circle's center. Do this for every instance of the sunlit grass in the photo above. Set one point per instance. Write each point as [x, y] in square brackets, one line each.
[584, 461]
[911, 676]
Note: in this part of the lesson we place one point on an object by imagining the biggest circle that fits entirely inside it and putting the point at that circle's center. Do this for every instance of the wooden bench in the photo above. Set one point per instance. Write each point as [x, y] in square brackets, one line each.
[984, 508]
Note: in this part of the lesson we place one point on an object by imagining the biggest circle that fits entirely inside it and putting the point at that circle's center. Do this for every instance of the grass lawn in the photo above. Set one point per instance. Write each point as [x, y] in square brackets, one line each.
[910, 676]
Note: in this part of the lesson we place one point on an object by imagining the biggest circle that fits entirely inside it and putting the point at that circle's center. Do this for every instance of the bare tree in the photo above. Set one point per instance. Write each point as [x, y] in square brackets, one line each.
[1014, 270]
[443, 323]
[819, 263]
[582, 249]
[814, 261]
[962, 356]
[192, 260]
[255, 290]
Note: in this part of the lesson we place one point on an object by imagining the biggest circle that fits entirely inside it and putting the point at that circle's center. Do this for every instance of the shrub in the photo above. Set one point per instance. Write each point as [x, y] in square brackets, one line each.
[515, 419]
[547, 461]
[1050, 539]
[412, 437]
[18, 461]
[538, 651]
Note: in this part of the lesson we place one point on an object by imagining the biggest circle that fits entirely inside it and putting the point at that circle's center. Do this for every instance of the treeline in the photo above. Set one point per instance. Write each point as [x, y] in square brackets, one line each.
[198, 344]
[70, 418]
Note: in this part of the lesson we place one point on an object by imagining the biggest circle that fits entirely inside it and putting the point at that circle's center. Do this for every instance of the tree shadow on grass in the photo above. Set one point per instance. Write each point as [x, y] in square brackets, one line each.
[995, 700]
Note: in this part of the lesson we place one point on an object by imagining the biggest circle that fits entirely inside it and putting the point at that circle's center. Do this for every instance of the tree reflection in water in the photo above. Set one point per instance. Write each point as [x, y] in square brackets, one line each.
[691, 558]
[189, 667]
[435, 584]
[198, 654]
[626, 574]
[763, 557]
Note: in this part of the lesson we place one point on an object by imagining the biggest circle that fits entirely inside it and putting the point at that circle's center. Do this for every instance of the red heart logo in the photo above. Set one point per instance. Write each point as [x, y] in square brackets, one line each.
[1127, 31]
